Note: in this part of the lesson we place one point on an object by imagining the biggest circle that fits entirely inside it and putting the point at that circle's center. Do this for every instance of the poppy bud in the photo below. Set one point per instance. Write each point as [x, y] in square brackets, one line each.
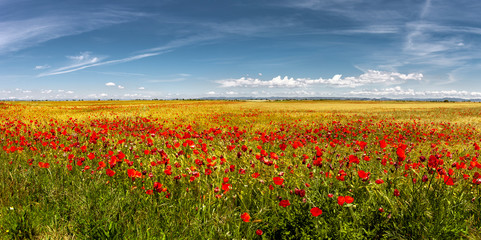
[302, 193]
[396, 193]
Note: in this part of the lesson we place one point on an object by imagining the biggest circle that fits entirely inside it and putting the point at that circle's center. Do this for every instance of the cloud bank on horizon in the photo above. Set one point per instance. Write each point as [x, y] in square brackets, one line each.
[186, 49]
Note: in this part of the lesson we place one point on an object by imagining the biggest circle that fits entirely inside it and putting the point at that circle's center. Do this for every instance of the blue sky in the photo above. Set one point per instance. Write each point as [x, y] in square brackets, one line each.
[217, 48]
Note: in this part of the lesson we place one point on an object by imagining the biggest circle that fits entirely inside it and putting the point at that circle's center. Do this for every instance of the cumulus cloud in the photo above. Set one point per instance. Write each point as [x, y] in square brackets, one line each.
[399, 92]
[43, 94]
[120, 87]
[211, 93]
[41, 67]
[369, 77]
[110, 84]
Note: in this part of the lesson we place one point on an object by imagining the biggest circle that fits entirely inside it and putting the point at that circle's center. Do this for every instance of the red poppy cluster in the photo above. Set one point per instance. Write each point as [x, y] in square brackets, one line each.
[229, 151]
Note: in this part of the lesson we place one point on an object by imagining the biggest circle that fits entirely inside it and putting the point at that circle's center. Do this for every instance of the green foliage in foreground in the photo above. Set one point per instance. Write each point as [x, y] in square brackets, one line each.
[55, 204]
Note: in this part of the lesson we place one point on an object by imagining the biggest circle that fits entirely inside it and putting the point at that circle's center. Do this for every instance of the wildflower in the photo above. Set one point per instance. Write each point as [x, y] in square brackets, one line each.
[396, 193]
[278, 180]
[363, 175]
[315, 211]
[245, 217]
[109, 172]
[284, 203]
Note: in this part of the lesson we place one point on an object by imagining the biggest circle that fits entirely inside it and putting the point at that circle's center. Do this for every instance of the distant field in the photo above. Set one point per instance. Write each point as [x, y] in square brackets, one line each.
[240, 170]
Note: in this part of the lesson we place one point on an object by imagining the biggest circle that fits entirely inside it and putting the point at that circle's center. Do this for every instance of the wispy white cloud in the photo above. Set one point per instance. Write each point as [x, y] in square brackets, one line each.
[371, 29]
[141, 88]
[124, 74]
[76, 67]
[120, 87]
[425, 9]
[369, 77]
[19, 34]
[110, 84]
[97, 61]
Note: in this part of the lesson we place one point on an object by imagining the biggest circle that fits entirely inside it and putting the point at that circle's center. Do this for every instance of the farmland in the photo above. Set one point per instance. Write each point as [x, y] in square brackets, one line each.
[240, 170]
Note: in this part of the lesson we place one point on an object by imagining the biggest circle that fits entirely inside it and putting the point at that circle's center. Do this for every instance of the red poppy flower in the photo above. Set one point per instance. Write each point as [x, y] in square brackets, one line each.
[244, 148]
[379, 181]
[245, 217]
[401, 153]
[133, 173]
[363, 175]
[448, 180]
[315, 211]
[278, 180]
[102, 164]
[349, 199]
[225, 187]
[259, 232]
[109, 172]
[255, 175]
[382, 143]
[284, 203]
[341, 200]
[353, 159]
[158, 187]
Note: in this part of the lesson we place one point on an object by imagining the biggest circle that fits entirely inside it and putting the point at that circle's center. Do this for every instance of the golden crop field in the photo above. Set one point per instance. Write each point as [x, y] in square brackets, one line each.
[240, 170]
